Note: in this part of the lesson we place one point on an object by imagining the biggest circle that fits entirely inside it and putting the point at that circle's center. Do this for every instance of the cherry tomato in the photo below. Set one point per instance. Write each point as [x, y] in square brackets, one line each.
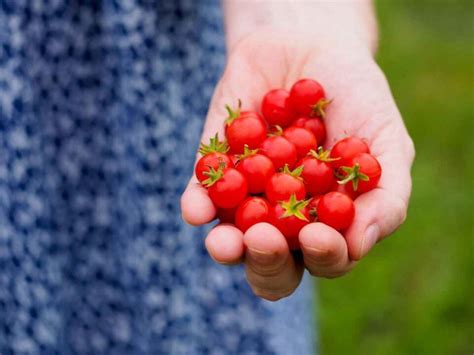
[213, 155]
[318, 174]
[346, 149]
[257, 169]
[289, 217]
[302, 139]
[280, 151]
[251, 211]
[336, 210]
[275, 108]
[226, 215]
[244, 128]
[282, 185]
[307, 98]
[227, 187]
[364, 172]
[315, 125]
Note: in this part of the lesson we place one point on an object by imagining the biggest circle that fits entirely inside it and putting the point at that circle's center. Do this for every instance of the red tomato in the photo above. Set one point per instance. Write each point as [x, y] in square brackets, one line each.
[280, 151]
[226, 187]
[318, 174]
[251, 211]
[346, 149]
[226, 215]
[213, 155]
[289, 217]
[282, 185]
[315, 125]
[244, 128]
[275, 108]
[307, 98]
[256, 168]
[302, 139]
[336, 210]
[364, 172]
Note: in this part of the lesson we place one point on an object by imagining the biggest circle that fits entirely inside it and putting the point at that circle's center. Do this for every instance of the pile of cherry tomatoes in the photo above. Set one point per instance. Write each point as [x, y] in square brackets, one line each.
[272, 166]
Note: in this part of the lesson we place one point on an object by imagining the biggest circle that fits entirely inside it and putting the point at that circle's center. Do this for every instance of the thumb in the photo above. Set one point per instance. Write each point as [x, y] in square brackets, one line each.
[381, 211]
[196, 206]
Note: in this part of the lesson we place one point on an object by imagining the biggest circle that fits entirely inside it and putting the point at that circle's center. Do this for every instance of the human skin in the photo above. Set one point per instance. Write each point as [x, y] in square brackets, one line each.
[272, 44]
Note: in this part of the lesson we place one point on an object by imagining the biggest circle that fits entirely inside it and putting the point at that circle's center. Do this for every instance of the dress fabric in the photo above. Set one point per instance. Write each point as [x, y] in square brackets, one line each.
[101, 109]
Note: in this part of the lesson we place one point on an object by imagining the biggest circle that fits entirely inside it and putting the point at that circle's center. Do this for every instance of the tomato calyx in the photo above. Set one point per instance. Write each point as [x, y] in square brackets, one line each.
[214, 175]
[295, 172]
[318, 109]
[247, 153]
[322, 155]
[293, 207]
[233, 114]
[275, 131]
[352, 174]
[214, 146]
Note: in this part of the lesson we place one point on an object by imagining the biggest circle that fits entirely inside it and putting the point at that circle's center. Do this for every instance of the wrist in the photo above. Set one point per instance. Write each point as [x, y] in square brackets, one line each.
[327, 24]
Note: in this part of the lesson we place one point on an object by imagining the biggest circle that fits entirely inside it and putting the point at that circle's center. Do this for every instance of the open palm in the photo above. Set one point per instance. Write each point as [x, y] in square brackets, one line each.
[362, 106]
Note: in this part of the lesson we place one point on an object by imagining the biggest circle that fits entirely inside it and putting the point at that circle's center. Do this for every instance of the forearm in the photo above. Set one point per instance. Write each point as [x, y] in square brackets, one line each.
[343, 21]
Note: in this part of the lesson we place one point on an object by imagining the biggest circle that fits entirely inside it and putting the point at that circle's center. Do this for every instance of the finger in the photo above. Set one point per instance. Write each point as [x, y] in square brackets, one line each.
[196, 207]
[381, 211]
[324, 251]
[270, 267]
[225, 244]
[377, 119]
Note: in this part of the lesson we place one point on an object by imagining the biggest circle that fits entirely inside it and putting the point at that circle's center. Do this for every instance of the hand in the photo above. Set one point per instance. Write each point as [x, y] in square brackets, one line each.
[363, 106]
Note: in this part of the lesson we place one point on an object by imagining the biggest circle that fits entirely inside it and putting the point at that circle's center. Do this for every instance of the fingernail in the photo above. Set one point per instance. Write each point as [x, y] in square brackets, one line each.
[262, 257]
[370, 238]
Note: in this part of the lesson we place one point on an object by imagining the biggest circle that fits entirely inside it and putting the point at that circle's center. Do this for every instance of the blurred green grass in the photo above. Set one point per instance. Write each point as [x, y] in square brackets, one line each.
[414, 293]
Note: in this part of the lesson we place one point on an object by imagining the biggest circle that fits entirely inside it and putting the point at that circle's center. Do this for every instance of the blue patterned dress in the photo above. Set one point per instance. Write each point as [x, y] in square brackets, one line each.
[101, 109]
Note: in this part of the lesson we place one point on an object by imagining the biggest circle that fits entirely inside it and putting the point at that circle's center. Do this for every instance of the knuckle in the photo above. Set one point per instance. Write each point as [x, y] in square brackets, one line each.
[266, 270]
[400, 210]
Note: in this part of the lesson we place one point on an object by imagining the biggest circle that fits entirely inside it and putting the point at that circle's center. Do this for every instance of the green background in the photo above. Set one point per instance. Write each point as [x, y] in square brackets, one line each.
[414, 294]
